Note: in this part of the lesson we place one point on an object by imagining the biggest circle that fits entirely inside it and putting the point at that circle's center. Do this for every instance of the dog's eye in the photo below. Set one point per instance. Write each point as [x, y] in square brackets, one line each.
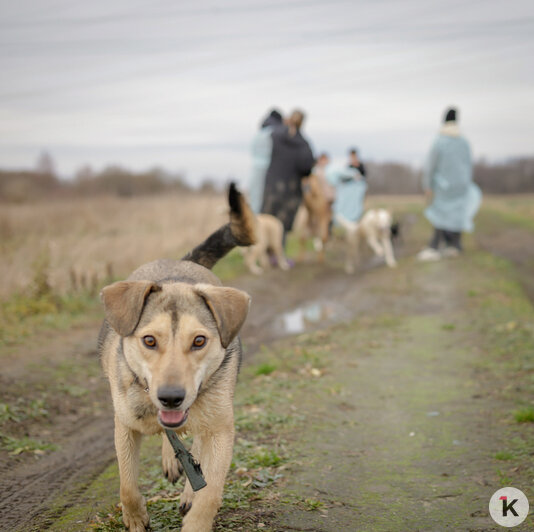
[199, 342]
[149, 342]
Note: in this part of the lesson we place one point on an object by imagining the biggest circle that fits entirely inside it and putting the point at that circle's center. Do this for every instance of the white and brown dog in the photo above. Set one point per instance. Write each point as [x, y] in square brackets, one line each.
[375, 228]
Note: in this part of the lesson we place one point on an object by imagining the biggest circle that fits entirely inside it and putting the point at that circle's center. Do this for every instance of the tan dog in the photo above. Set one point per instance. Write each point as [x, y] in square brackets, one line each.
[375, 227]
[269, 234]
[170, 349]
[313, 217]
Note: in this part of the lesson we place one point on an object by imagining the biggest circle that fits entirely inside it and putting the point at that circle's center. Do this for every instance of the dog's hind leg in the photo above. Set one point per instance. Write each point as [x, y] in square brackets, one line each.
[127, 444]
[319, 248]
[172, 469]
[278, 249]
[251, 260]
[323, 235]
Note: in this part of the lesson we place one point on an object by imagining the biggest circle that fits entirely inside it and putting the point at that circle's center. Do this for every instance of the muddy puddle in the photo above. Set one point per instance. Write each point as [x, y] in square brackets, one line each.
[308, 317]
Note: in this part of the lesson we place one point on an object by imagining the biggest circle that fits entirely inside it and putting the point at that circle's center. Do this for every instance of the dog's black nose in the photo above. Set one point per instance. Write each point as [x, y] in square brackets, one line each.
[171, 397]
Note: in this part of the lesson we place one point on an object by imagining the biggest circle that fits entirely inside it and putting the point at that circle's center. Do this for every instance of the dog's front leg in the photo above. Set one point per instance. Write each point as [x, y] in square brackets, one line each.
[388, 252]
[127, 445]
[215, 458]
[172, 469]
[375, 245]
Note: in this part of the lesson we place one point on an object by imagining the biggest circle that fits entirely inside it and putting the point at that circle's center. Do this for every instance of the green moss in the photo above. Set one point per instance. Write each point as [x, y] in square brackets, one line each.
[265, 369]
[504, 455]
[524, 415]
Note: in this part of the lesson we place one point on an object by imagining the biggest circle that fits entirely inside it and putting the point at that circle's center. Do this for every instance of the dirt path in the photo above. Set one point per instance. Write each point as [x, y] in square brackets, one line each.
[408, 442]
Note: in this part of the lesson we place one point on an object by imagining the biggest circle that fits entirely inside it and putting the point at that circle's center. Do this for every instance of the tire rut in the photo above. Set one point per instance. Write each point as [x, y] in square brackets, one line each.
[27, 493]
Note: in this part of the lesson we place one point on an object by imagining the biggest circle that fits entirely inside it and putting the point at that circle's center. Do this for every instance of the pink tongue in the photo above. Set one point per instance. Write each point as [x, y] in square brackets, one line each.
[171, 417]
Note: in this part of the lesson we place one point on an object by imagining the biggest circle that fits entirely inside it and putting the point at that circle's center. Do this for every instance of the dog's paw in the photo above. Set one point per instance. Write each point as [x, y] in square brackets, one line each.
[317, 244]
[172, 469]
[137, 521]
[186, 499]
[197, 522]
[284, 265]
[185, 507]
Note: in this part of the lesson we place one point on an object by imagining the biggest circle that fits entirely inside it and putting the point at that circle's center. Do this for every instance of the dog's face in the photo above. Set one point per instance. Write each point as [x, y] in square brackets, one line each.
[174, 337]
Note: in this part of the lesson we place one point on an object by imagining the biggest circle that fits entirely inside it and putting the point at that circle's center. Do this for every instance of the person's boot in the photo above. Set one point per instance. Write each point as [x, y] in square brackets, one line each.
[429, 255]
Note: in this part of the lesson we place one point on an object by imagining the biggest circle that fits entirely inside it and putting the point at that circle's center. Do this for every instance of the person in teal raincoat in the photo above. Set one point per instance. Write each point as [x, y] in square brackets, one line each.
[351, 186]
[448, 181]
[350, 193]
[262, 148]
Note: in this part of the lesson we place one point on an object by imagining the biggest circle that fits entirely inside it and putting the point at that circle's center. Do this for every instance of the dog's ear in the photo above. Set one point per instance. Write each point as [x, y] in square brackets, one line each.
[123, 303]
[229, 307]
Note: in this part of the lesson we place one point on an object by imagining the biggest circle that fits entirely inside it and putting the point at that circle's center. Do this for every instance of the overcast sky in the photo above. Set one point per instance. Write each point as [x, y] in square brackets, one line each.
[184, 84]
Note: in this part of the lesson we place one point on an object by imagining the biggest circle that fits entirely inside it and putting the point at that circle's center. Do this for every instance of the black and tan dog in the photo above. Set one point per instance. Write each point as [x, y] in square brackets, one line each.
[170, 348]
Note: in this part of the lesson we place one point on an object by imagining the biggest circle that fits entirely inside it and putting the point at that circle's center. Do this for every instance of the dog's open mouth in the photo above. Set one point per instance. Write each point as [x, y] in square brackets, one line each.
[172, 418]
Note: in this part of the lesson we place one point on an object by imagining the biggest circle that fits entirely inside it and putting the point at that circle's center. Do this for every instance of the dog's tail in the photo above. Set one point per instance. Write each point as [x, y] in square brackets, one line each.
[239, 231]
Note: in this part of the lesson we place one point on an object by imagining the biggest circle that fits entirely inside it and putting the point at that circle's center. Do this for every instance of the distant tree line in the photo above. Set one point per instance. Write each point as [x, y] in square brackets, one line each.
[22, 186]
[117, 181]
[510, 177]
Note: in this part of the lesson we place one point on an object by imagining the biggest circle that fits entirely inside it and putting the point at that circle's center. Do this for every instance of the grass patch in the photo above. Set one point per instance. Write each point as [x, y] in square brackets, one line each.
[264, 458]
[504, 478]
[313, 504]
[22, 410]
[524, 415]
[504, 455]
[8, 413]
[265, 369]
[508, 215]
[24, 315]
[24, 445]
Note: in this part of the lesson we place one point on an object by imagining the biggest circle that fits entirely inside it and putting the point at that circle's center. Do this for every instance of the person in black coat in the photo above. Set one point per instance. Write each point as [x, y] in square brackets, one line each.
[291, 160]
[354, 162]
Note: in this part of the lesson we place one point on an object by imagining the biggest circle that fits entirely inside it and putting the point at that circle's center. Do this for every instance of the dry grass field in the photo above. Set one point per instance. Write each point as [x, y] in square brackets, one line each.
[98, 237]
